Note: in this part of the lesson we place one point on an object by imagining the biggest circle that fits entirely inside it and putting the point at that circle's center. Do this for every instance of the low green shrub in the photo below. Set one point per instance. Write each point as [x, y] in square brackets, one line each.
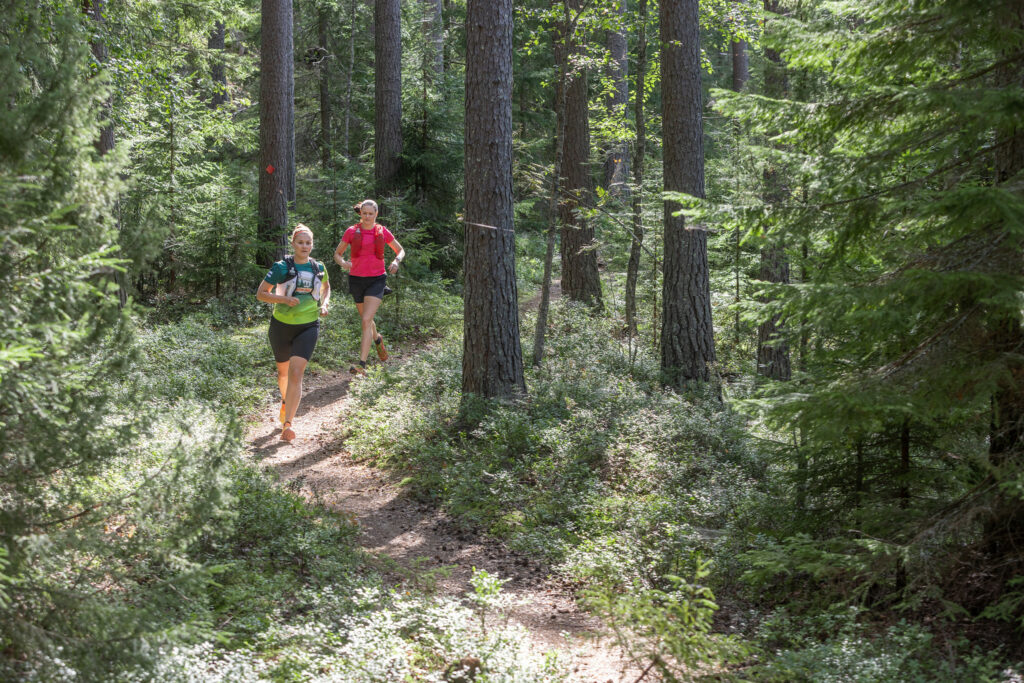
[836, 645]
[599, 470]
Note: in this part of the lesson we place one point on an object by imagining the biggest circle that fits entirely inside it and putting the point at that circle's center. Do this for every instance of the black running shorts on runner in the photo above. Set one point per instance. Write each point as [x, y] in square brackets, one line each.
[293, 340]
[361, 287]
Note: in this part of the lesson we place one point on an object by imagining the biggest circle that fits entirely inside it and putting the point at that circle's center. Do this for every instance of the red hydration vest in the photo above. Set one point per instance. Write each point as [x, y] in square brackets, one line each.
[378, 241]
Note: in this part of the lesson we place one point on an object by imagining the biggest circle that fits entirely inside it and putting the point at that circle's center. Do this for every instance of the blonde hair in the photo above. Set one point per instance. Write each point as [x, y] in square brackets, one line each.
[301, 228]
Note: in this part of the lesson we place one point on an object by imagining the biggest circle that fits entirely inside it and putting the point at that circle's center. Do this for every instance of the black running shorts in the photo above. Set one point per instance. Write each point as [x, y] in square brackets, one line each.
[361, 287]
[293, 340]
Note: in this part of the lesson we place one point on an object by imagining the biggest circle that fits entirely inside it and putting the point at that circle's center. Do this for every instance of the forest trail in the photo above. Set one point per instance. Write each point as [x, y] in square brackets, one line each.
[412, 538]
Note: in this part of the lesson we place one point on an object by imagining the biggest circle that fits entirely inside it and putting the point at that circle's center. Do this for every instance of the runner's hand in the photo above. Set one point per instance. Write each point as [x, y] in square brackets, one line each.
[291, 301]
[323, 310]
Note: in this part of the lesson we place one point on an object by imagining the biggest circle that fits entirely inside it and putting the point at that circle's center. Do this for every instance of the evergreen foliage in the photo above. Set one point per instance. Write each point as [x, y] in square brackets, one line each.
[916, 241]
[887, 475]
[93, 522]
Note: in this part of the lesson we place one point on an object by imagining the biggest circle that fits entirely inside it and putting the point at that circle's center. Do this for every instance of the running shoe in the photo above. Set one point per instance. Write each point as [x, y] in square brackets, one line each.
[287, 433]
[382, 351]
[357, 370]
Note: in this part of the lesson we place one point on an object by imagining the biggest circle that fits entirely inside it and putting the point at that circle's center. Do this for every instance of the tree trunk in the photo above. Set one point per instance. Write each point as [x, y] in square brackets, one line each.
[325, 95]
[616, 163]
[275, 127]
[740, 65]
[772, 349]
[903, 495]
[290, 137]
[387, 95]
[217, 72]
[94, 10]
[687, 340]
[740, 76]
[1005, 528]
[433, 13]
[560, 51]
[637, 239]
[580, 278]
[348, 79]
[492, 359]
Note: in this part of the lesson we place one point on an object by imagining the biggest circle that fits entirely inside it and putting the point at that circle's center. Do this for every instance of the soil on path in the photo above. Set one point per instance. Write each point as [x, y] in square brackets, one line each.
[412, 537]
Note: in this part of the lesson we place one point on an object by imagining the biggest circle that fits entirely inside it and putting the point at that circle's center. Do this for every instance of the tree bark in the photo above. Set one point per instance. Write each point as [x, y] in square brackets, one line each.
[740, 65]
[492, 361]
[580, 278]
[616, 163]
[637, 239]
[94, 10]
[348, 79]
[275, 126]
[740, 76]
[433, 15]
[772, 348]
[387, 95]
[290, 138]
[687, 341]
[217, 72]
[1005, 326]
[325, 94]
[560, 51]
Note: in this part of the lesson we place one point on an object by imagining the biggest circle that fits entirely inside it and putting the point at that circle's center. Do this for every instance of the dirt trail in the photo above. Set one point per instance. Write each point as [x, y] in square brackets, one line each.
[418, 537]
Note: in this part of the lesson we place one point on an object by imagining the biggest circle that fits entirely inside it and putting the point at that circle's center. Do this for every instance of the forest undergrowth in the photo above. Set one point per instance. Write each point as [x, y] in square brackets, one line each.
[266, 586]
[658, 508]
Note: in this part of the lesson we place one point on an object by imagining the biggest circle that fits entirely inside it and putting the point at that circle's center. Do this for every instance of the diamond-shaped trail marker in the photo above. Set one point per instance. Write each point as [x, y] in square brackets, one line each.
[270, 168]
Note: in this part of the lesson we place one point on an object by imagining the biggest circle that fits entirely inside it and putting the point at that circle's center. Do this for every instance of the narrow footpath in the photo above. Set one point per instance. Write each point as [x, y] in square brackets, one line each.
[412, 538]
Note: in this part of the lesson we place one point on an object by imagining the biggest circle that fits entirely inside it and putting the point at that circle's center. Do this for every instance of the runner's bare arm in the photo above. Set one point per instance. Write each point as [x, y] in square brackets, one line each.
[339, 255]
[325, 296]
[264, 294]
[399, 255]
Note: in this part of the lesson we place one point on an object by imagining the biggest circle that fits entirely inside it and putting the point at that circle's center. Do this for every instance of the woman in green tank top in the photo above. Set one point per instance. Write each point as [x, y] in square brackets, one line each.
[299, 289]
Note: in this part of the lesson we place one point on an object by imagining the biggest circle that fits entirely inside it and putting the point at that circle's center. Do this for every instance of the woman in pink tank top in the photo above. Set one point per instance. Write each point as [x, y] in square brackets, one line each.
[367, 276]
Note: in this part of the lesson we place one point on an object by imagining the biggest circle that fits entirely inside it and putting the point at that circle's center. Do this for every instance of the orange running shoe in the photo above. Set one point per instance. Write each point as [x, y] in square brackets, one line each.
[287, 433]
[382, 351]
[357, 370]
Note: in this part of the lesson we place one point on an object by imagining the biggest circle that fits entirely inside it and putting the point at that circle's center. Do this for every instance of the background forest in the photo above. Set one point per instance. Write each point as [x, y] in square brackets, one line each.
[771, 429]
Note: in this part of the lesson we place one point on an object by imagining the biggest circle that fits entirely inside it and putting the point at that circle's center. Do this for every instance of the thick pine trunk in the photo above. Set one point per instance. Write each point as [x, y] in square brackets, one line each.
[492, 359]
[580, 278]
[290, 137]
[275, 126]
[688, 341]
[772, 349]
[387, 95]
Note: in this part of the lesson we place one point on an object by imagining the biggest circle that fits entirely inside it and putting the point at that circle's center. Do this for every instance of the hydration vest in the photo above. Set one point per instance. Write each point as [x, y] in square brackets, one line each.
[292, 278]
[378, 241]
